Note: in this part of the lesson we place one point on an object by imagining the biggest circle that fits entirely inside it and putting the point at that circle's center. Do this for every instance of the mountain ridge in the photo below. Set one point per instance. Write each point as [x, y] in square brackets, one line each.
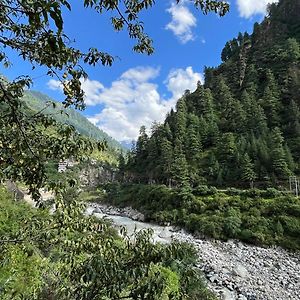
[38, 101]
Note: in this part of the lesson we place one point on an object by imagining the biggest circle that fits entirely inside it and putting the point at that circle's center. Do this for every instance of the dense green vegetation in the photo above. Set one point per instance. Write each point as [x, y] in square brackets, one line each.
[242, 126]
[69, 256]
[264, 217]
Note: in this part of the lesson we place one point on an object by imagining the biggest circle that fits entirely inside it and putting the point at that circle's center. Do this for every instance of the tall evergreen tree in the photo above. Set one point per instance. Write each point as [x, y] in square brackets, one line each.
[193, 140]
[231, 114]
[255, 119]
[181, 119]
[278, 156]
[166, 159]
[271, 101]
[179, 169]
[247, 170]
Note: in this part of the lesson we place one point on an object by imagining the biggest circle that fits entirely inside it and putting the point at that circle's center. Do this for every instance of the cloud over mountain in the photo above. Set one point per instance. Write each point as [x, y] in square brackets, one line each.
[134, 100]
[248, 8]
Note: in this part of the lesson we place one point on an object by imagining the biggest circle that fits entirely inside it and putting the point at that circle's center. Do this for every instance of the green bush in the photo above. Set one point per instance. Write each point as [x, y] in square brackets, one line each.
[204, 190]
[233, 192]
[232, 223]
[253, 193]
[271, 193]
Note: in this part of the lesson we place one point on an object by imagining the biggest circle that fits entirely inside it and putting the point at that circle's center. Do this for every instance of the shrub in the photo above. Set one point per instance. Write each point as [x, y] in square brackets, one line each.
[271, 193]
[232, 223]
[246, 235]
[204, 190]
[201, 190]
[233, 192]
[253, 193]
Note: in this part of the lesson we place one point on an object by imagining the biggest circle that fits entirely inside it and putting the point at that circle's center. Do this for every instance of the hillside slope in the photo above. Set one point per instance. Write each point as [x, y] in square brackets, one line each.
[242, 127]
[38, 101]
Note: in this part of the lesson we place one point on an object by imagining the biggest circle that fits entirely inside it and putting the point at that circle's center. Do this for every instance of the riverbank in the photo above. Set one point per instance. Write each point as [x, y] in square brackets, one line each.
[258, 217]
[234, 270]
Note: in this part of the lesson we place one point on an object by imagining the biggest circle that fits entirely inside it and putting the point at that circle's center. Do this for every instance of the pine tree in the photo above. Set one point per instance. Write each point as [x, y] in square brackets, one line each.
[179, 169]
[231, 114]
[293, 50]
[271, 101]
[152, 158]
[166, 159]
[141, 150]
[193, 141]
[255, 120]
[247, 170]
[226, 153]
[226, 52]
[206, 106]
[289, 158]
[181, 119]
[292, 120]
[278, 156]
[121, 167]
[263, 161]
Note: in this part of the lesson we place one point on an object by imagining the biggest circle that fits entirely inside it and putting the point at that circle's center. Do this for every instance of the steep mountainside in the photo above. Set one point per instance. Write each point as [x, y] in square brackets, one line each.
[38, 101]
[243, 125]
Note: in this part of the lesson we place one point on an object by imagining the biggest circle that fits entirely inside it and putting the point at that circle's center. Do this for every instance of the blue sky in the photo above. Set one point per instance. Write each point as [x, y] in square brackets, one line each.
[139, 89]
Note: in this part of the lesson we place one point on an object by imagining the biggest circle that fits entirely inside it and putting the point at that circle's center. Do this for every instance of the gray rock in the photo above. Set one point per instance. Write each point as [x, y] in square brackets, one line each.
[227, 295]
[97, 210]
[240, 271]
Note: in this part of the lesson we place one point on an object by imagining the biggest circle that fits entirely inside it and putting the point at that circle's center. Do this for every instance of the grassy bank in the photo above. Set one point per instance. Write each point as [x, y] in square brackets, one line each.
[266, 217]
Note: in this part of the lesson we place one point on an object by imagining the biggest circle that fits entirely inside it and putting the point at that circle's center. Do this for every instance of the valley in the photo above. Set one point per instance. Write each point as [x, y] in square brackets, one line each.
[204, 206]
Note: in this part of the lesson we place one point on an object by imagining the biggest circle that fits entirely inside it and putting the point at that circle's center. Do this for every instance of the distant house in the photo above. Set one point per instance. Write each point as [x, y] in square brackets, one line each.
[64, 164]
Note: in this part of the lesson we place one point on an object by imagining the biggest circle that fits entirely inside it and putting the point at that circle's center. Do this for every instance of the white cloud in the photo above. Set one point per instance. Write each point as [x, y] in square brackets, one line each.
[55, 85]
[180, 80]
[141, 74]
[91, 88]
[133, 100]
[182, 22]
[248, 8]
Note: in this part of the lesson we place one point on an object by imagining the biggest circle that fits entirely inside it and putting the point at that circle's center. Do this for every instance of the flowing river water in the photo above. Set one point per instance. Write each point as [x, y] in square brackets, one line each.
[233, 270]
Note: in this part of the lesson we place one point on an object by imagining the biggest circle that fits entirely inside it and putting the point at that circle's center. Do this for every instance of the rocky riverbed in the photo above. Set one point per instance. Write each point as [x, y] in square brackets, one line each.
[234, 271]
[238, 271]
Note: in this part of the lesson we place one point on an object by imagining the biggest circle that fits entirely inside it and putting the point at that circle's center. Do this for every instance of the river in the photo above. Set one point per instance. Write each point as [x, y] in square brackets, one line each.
[233, 270]
[162, 234]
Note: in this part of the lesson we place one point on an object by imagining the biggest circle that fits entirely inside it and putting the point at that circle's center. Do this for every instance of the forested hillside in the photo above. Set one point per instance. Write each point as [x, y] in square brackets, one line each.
[38, 101]
[242, 126]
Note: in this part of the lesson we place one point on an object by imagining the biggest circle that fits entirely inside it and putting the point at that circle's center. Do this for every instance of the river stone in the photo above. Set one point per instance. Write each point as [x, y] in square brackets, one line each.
[138, 217]
[227, 295]
[165, 233]
[240, 271]
[97, 210]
